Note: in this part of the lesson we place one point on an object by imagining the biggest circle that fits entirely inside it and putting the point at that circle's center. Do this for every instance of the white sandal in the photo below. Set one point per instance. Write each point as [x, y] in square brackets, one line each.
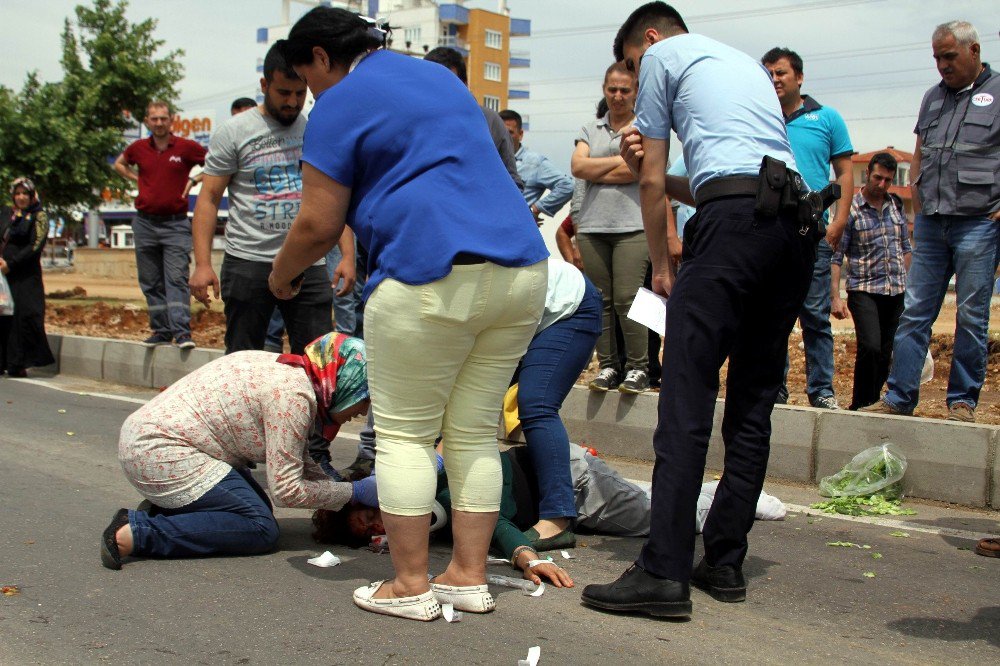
[469, 598]
[423, 607]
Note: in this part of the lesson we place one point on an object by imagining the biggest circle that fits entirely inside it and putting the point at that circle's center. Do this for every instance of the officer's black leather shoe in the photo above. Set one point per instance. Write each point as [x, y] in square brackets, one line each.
[724, 583]
[638, 591]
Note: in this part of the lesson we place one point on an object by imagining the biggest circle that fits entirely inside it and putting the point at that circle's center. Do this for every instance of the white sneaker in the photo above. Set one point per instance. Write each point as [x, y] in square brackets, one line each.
[422, 607]
[470, 598]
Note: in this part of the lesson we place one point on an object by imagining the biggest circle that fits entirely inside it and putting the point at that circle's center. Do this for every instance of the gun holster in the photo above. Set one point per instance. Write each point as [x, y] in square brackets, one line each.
[770, 186]
[782, 190]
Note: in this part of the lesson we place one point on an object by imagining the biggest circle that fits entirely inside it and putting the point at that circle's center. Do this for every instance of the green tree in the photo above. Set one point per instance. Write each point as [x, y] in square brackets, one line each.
[63, 134]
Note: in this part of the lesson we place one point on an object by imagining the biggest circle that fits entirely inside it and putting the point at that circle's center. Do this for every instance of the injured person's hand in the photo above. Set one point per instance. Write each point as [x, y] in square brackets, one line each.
[536, 570]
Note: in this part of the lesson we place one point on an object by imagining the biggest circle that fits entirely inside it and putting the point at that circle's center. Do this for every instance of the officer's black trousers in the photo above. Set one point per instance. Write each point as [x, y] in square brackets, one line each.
[742, 282]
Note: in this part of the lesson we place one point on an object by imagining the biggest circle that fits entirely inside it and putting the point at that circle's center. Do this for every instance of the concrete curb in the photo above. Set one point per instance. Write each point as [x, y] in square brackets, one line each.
[949, 462]
[124, 361]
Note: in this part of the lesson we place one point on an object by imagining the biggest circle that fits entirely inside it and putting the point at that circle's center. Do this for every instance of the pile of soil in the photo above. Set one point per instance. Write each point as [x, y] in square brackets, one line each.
[932, 394]
[128, 322]
[208, 327]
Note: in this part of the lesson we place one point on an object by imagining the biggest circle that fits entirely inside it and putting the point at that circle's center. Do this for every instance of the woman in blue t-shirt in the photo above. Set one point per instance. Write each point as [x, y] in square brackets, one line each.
[397, 149]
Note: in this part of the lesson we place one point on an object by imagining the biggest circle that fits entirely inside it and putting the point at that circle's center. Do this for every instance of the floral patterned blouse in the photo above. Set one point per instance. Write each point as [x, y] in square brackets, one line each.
[241, 408]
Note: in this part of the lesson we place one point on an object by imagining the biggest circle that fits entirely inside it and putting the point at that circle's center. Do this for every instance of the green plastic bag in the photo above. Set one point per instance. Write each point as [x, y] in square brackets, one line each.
[879, 470]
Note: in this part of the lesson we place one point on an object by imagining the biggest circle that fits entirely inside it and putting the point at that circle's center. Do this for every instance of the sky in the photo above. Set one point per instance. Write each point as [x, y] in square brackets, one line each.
[869, 59]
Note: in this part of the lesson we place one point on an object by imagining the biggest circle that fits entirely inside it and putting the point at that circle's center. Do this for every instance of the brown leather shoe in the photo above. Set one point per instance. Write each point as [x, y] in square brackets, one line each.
[882, 407]
[961, 411]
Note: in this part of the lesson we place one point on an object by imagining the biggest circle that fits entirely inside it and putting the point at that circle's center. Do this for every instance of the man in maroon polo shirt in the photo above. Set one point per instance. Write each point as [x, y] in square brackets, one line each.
[162, 230]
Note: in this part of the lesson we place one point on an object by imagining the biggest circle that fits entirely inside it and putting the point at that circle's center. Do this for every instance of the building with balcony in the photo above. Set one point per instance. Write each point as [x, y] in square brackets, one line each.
[482, 37]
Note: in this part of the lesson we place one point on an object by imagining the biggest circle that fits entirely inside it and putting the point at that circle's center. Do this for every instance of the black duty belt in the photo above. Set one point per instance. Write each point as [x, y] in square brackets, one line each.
[163, 218]
[726, 186]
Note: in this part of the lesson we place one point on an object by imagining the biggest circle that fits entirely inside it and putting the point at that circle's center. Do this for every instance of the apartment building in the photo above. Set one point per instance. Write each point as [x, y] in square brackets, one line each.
[483, 37]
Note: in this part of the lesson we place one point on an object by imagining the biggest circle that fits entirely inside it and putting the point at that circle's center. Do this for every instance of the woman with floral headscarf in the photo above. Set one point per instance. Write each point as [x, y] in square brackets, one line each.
[22, 236]
[187, 451]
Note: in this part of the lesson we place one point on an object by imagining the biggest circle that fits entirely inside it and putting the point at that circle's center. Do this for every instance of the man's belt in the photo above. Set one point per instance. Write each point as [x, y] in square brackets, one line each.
[174, 217]
[726, 186]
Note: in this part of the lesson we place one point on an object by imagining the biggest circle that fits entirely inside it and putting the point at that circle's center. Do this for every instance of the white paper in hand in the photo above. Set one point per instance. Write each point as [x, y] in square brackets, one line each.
[327, 559]
[650, 310]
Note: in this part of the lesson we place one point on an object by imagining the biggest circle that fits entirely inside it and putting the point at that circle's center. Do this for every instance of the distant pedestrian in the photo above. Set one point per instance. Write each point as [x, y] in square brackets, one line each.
[956, 194]
[256, 156]
[23, 343]
[820, 141]
[546, 189]
[161, 229]
[876, 244]
[610, 234]
[240, 105]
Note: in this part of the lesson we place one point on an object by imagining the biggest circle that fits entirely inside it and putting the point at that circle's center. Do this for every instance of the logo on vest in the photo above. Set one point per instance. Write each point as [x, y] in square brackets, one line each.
[175, 158]
[982, 99]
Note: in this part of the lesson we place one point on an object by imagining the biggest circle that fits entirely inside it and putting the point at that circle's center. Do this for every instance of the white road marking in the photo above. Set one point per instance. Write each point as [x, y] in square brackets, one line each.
[107, 396]
[894, 523]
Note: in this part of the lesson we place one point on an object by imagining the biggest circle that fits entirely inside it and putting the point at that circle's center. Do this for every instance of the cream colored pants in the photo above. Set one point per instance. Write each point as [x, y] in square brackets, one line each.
[440, 357]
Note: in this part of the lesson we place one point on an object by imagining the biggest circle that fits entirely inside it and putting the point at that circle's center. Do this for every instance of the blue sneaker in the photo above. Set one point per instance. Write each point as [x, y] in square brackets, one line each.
[157, 339]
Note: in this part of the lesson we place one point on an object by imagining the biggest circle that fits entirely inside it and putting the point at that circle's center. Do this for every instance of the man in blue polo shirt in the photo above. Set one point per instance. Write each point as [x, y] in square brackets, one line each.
[742, 281]
[819, 140]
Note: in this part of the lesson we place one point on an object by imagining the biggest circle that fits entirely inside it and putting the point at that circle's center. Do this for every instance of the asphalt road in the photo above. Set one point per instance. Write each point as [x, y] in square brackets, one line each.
[931, 601]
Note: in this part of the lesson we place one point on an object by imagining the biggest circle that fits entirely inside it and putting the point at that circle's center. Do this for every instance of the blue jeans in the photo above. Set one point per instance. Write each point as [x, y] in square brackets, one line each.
[548, 370]
[816, 333]
[946, 245]
[348, 311]
[275, 332]
[162, 261]
[233, 518]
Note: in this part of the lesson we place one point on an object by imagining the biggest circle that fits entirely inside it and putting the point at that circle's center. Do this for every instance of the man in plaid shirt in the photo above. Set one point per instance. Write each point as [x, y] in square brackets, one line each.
[876, 243]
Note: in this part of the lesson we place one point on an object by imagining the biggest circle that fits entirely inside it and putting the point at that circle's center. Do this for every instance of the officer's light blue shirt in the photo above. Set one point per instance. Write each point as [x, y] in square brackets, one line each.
[718, 100]
[538, 175]
[818, 135]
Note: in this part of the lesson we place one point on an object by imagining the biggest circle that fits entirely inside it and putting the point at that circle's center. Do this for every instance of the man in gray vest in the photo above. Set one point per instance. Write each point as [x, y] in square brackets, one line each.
[955, 179]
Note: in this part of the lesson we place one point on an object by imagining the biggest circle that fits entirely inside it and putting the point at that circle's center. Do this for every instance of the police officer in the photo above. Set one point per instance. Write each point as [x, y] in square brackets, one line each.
[743, 279]
[956, 171]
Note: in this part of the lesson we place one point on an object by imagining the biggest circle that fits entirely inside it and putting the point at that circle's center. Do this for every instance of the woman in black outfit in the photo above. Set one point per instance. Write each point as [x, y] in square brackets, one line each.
[22, 236]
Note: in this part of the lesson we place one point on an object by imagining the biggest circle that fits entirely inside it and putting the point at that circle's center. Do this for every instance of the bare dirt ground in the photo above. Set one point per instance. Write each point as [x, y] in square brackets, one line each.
[115, 309]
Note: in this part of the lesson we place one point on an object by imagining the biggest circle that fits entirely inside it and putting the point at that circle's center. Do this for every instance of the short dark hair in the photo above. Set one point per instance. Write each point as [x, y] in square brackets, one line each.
[602, 107]
[274, 61]
[241, 103]
[332, 527]
[658, 15]
[342, 34]
[507, 114]
[779, 52]
[885, 160]
[450, 58]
